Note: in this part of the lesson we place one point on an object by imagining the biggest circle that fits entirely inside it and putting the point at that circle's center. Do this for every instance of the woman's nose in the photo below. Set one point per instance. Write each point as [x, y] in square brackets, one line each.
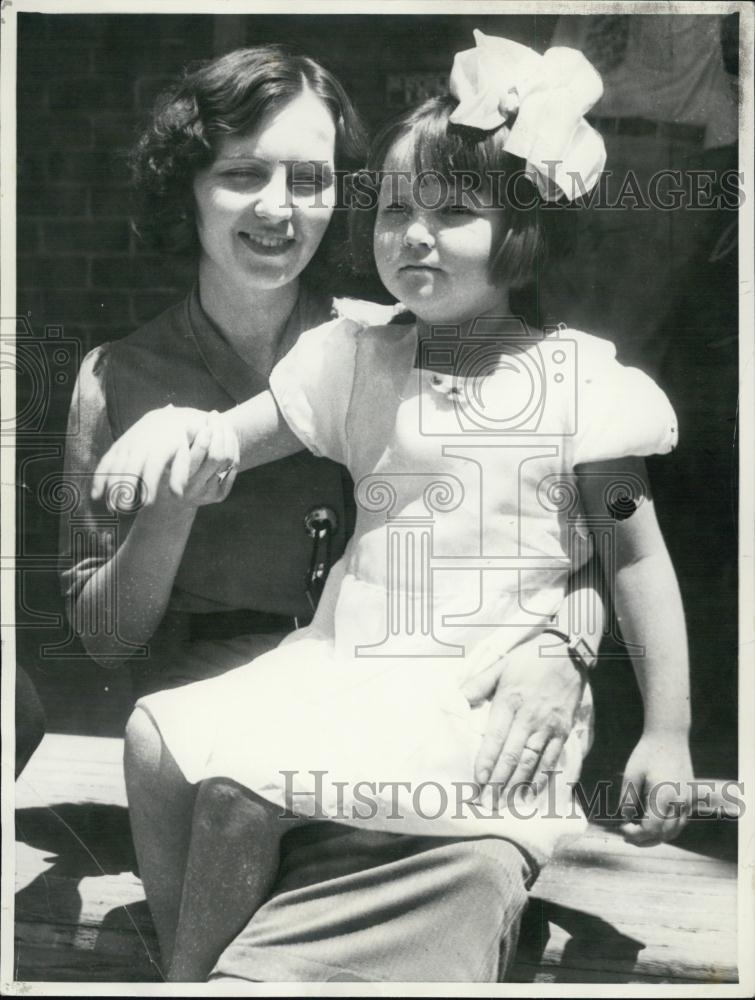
[273, 203]
[418, 235]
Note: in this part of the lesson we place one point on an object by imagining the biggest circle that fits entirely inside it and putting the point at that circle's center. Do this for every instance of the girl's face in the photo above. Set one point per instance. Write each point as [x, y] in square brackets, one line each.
[264, 203]
[433, 244]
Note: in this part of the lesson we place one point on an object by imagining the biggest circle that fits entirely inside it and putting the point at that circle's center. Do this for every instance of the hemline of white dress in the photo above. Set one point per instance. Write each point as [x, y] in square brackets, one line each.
[392, 750]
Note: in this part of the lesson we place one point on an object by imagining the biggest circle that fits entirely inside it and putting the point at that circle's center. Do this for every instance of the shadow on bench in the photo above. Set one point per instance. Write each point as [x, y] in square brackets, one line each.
[664, 914]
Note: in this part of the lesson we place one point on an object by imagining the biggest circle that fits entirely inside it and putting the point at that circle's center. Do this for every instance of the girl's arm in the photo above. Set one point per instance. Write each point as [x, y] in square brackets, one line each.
[161, 442]
[314, 382]
[649, 610]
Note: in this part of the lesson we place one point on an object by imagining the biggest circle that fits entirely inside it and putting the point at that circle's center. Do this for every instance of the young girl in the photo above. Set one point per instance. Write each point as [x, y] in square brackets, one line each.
[486, 457]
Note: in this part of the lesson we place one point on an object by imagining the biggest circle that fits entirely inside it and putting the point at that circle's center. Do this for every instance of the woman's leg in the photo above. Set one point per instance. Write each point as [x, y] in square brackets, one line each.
[232, 865]
[161, 803]
[362, 906]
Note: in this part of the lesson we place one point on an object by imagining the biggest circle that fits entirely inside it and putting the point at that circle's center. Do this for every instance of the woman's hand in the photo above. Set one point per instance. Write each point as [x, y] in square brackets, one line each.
[534, 705]
[174, 453]
[206, 473]
[657, 782]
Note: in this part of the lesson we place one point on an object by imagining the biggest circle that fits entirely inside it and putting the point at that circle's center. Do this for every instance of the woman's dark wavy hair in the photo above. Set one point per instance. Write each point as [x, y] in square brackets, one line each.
[218, 97]
[452, 151]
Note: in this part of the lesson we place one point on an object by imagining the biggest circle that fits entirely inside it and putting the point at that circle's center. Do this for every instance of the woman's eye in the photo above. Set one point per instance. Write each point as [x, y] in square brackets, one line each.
[245, 176]
[395, 206]
[459, 210]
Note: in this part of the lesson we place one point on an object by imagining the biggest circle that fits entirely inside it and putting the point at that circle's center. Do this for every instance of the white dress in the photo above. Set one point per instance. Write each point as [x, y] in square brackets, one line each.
[468, 526]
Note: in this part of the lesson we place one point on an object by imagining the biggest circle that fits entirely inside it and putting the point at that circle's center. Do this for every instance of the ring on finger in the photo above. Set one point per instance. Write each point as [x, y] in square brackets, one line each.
[223, 474]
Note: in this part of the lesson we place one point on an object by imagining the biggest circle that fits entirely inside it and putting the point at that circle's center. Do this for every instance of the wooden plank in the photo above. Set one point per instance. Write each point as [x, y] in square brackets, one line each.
[590, 943]
[525, 973]
[600, 842]
[661, 914]
[66, 746]
[616, 897]
[48, 896]
[97, 953]
[73, 769]
[686, 878]
[666, 953]
[87, 902]
[600, 848]
[48, 952]
[679, 957]
[97, 785]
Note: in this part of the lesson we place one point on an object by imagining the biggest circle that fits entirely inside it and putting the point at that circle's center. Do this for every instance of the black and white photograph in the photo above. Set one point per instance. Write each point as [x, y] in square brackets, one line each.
[378, 504]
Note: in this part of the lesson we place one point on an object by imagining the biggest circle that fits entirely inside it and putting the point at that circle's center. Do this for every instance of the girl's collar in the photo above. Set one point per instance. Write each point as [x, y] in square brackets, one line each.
[443, 350]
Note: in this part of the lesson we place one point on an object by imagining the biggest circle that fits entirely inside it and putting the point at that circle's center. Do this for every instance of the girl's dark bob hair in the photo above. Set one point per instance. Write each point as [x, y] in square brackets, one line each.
[461, 156]
[224, 96]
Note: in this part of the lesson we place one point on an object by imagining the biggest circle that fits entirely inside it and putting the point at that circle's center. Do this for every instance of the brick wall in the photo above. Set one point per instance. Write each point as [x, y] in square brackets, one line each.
[85, 83]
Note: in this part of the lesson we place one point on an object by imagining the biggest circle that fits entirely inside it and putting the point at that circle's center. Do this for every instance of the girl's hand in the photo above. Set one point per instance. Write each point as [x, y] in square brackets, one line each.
[207, 472]
[657, 779]
[534, 706]
[158, 442]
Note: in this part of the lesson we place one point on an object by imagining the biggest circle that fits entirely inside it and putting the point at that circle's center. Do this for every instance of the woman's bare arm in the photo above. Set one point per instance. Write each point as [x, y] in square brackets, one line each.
[123, 601]
[535, 698]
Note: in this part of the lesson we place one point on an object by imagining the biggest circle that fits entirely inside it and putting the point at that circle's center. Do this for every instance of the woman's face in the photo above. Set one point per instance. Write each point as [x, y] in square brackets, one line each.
[263, 205]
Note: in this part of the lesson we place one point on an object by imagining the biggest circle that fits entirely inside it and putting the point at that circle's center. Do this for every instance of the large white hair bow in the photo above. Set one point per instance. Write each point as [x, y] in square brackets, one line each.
[548, 94]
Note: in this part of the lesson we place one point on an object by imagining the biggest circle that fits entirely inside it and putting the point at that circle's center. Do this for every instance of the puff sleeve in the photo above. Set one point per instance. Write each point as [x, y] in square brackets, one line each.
[620, 410]
[313, 383]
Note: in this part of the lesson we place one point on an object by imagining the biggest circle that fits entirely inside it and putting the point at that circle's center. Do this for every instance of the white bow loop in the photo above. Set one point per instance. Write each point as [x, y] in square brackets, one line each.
[549, 96]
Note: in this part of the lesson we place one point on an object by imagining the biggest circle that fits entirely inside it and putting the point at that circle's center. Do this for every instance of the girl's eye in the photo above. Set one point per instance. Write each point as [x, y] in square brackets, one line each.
[395, 206]
[459, 210]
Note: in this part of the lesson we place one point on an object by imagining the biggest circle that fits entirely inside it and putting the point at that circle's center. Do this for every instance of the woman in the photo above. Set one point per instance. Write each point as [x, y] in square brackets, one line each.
[239, 162]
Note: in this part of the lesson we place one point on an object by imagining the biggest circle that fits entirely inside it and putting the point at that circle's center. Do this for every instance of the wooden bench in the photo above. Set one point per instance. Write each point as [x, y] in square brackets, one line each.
[603, 912]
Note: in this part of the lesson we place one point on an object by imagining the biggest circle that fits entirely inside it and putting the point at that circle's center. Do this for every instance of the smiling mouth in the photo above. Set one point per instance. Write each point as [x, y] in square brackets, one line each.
[267, 244]
[418, 267]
